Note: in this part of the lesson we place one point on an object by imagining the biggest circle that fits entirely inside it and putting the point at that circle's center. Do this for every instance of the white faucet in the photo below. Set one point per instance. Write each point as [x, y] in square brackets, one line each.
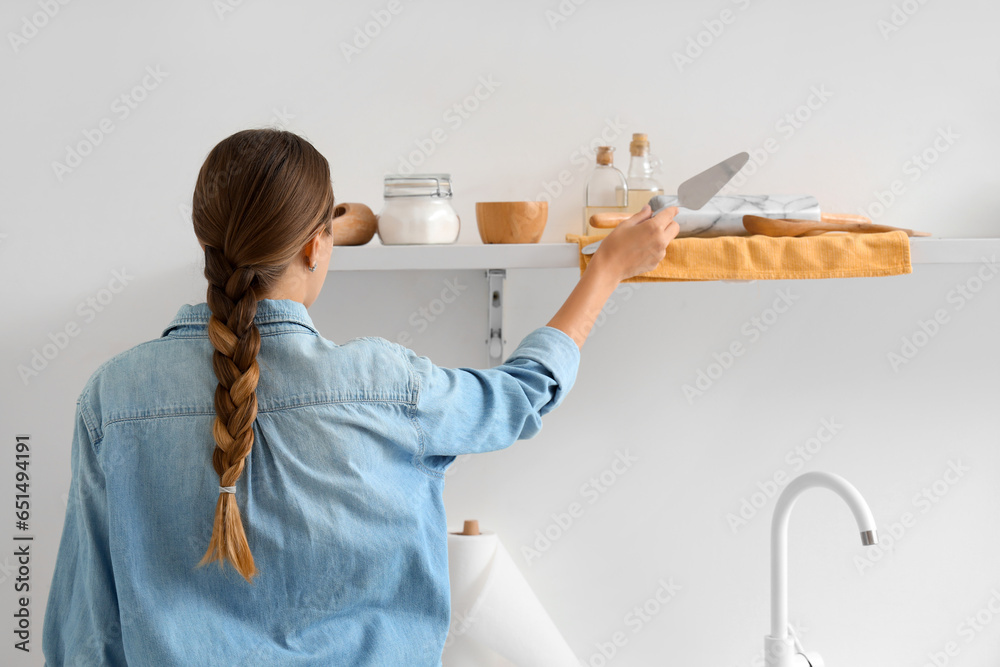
[780, 649]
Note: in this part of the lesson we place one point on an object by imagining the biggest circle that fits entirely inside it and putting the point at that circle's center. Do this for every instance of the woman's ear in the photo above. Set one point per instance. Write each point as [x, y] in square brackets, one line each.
[314, 248]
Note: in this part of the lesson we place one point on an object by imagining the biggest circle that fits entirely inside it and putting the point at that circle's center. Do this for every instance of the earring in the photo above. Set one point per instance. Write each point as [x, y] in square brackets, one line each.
[312, 268]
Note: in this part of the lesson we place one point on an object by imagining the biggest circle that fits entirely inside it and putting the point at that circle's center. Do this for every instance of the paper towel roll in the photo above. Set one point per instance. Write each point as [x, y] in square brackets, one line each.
[493, 607]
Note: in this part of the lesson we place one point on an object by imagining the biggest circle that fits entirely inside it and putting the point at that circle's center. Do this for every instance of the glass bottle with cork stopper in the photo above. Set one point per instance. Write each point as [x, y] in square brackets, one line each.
[641, 185]
[607, 191]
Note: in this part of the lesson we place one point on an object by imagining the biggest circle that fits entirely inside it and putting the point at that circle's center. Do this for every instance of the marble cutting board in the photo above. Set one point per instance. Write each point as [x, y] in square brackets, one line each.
[723, 214]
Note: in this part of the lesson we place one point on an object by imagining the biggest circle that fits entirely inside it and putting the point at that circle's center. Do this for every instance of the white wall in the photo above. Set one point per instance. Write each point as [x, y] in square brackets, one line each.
[557, 86]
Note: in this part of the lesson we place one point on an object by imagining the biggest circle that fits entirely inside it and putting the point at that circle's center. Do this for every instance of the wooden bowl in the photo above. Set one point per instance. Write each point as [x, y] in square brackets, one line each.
[353, 224]
[511, 221]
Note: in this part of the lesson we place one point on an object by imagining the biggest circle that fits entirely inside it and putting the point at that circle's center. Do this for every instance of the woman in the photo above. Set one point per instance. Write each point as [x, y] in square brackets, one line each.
[325, 462]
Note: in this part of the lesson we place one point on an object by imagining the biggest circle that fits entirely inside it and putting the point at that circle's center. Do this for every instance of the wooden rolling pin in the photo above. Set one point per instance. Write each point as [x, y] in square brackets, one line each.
[771, 227]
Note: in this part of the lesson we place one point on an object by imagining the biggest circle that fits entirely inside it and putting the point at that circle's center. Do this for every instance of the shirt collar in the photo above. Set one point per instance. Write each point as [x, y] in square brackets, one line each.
[269, 311]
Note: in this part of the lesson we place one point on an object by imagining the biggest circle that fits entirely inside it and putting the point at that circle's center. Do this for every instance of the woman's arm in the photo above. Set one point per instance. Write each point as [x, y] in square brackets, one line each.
[465, 410]
[633, 247]
[576, 316]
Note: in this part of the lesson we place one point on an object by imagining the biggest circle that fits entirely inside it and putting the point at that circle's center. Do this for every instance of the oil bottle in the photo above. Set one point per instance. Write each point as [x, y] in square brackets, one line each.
[607, 191]
[641, 185]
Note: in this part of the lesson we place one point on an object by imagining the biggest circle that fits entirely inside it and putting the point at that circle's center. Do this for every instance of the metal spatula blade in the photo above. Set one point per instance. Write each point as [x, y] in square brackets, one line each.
[696, 191]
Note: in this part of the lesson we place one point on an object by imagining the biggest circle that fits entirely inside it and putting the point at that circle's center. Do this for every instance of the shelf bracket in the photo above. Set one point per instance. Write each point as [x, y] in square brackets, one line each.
[495, 341]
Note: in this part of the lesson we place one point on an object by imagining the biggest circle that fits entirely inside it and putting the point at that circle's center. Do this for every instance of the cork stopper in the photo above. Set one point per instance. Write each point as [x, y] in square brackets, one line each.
[605, 155]
[639, 145]
[471, 527]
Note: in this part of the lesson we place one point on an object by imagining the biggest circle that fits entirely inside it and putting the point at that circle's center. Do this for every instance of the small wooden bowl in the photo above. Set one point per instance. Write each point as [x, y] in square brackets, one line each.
[511, 221]
[353, 224]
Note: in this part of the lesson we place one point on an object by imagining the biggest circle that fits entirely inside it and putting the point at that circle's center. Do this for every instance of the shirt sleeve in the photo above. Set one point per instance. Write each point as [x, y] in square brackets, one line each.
[82, 623]
[466, 410]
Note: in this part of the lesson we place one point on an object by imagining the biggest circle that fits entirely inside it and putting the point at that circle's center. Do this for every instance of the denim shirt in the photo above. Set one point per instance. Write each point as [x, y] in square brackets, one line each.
[341, 497]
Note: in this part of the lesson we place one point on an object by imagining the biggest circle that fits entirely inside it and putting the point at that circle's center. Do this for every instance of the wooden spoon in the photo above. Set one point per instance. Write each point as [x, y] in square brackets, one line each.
[772, 227]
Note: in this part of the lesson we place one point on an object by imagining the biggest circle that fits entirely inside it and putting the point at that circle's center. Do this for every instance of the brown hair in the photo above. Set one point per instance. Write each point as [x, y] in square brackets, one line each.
[261, 195]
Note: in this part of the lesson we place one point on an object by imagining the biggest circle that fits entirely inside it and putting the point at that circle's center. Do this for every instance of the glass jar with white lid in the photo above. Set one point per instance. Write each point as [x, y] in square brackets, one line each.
[417, 210]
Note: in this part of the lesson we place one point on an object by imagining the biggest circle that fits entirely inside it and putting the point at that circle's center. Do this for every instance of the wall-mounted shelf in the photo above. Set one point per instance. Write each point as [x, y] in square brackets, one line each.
[495, 259]
[455, 257]
[374, 257]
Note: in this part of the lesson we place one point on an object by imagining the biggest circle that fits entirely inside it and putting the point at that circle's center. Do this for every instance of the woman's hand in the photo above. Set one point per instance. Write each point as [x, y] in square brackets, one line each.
[638, 244]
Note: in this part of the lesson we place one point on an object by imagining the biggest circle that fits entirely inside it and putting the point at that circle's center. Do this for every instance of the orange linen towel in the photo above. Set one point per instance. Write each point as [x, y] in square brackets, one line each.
[837, 255]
